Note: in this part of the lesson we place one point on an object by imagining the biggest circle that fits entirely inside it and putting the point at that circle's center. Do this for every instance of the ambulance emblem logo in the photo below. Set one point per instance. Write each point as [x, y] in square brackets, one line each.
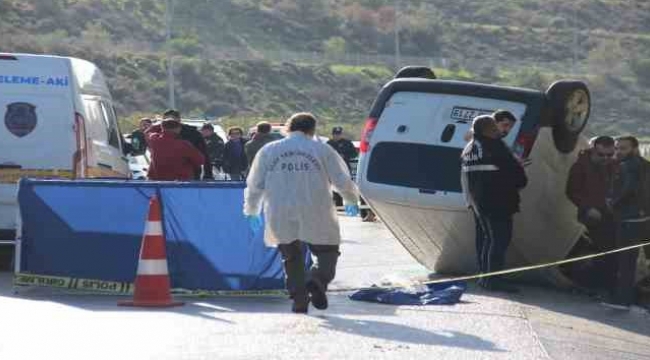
[20, 118]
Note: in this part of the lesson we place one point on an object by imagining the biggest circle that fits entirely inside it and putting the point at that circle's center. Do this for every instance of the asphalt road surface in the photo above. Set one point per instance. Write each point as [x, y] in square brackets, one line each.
[535, 324]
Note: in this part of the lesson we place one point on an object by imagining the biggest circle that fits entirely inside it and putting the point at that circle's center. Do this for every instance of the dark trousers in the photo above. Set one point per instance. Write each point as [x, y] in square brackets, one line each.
[236, 177]
[209, 169]
[603, 238]
[338, 200]
[493, 236]
[322, 271]
[625, 274]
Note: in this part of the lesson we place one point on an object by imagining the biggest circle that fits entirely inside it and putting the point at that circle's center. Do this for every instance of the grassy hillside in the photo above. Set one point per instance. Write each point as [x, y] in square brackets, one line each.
[126, 38]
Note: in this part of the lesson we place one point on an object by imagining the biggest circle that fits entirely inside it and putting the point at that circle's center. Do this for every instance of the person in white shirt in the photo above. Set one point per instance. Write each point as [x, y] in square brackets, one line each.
[293, 179]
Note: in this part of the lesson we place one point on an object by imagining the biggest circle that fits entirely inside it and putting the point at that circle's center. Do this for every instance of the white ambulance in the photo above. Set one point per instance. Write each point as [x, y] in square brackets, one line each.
[58, 121]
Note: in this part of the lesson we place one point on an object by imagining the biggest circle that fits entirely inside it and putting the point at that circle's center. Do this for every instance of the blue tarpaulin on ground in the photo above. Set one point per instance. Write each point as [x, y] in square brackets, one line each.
[430, 294]
[93, 230]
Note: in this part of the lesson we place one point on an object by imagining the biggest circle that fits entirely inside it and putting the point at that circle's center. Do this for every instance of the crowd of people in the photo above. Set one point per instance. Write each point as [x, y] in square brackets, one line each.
[608, 184]
[232, 156]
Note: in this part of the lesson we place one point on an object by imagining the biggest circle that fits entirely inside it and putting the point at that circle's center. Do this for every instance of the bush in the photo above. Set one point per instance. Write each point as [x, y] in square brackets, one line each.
[641, 69]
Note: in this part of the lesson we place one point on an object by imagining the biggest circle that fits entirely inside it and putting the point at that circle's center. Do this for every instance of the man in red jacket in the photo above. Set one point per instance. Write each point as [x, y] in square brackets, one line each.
[589, 186]
[173, 159]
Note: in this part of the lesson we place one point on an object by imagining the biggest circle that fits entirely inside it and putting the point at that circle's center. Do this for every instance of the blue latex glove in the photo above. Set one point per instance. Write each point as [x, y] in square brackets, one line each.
[255, 223]
[352, 210]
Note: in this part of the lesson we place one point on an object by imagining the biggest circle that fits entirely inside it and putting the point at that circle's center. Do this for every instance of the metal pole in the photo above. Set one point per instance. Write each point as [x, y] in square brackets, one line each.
[575, 40]
[398, 56]
[169, 15]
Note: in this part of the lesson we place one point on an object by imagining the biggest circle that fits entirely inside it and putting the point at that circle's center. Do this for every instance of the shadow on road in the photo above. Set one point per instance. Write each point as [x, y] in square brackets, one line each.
[406, 334]
[575, 305]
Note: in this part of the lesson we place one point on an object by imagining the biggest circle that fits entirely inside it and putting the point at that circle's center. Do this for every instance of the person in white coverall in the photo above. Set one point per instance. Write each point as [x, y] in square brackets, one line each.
[293, 179]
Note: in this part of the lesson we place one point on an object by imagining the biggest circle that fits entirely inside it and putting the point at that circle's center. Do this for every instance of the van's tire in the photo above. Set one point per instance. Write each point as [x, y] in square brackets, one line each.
[415, 72]
[569, 108]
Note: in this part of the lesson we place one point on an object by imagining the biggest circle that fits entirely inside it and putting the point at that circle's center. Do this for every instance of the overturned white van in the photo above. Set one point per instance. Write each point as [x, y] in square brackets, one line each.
[409, 171]
[58, 122]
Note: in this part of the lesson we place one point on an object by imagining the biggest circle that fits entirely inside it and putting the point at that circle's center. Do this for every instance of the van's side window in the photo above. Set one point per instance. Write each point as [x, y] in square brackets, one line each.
[103, 124]
[96, 120]
[111, 122]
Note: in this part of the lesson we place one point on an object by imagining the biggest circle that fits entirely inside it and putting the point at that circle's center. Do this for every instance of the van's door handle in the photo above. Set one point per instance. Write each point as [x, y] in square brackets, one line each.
[105, 166]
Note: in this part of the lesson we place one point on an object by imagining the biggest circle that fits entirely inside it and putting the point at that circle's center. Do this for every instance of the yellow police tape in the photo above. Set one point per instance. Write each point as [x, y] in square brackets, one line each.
[126, 288]
[527, 268]
[11, 176]
[123, 288]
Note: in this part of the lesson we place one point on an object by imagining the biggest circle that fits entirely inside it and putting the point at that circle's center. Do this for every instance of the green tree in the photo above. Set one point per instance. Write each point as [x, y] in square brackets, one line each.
[335, 46]
[96, 35]
[641, 69]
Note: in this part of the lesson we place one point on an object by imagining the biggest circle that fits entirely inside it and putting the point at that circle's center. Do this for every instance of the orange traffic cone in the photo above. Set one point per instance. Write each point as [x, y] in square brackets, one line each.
[152, 281]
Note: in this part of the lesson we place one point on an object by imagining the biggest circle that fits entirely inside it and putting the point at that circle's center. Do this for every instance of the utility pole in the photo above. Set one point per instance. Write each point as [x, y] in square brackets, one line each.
[575, 39]
[398, 54]
[169, 16]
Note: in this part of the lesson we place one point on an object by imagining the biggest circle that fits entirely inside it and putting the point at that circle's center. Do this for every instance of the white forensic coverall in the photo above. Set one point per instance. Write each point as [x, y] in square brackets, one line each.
[293, 179]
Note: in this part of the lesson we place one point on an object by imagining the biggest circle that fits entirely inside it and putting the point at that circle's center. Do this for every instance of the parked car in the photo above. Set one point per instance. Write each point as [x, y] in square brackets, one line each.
[139, 166]
[409, 169]
[278, 131]
[59, 123]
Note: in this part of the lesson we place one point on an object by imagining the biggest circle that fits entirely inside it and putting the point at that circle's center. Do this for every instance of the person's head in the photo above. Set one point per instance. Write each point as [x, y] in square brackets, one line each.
[172, 125]
[626, 146]
[172, 114]
[235, 133]
[484, 126]
[263, 128]
[303, 122]
[337, 133]
[144, 123]
[505, 121]
[602, 150]
[207, 130]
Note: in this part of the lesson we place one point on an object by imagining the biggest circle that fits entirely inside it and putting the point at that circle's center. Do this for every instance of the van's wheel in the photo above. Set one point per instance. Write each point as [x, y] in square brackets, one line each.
[415, 72]
[570, 105]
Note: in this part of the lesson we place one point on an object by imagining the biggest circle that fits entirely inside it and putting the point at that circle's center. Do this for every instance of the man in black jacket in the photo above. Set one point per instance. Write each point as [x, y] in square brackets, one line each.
[235, 162]
[491, 179]
[193, 135]
[626, 204]
[138, 140]
[215, 148]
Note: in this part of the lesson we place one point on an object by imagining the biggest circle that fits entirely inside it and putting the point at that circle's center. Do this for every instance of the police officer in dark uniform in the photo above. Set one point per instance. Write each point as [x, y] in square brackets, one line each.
[343, 146]
[346, 149]
[491, 179]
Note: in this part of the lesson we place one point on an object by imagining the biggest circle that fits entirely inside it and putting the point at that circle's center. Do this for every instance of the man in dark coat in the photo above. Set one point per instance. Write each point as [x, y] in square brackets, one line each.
[262, 137]
[215, 149]
[491, 180]
[191, 134]
[630, 219]
[235, 163]
[343, 146]
[346, 149]
[588, 187]
[138, 139]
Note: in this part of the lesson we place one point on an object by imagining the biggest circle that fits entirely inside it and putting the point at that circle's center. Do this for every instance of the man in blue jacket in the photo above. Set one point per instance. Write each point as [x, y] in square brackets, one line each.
[491, 178]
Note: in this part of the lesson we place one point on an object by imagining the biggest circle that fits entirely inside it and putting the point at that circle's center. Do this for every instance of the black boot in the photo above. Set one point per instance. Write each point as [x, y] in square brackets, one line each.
[318, 296]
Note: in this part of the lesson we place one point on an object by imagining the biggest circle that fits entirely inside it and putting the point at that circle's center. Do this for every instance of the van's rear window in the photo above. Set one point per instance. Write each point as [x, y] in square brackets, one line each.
[424, 167]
